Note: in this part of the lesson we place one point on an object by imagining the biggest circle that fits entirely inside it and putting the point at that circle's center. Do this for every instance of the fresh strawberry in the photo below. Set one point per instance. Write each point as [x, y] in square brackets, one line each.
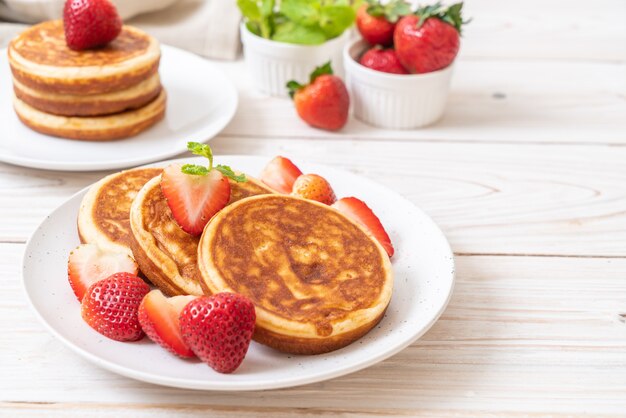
[159, 319]
[384, 60]
[89, 263]
[377, 21]
[324, 102]
[358, 211]
[218, 329]
[111, 306]
[195, 193]
[280, 174]
[90, 23]
[429, 41]
[314, 187]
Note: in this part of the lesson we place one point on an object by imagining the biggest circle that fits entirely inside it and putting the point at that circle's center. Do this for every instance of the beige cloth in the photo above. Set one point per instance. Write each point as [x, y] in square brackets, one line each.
[205, 27]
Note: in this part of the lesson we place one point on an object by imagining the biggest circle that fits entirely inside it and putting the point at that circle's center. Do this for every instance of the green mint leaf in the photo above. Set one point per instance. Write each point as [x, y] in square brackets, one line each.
[228, 172]
[202, 150]
[321, 70]
[293, 86]
[302, 12]
[254, 27]
[291, 32]
[195, 170]
[250, 10]
[335, 19]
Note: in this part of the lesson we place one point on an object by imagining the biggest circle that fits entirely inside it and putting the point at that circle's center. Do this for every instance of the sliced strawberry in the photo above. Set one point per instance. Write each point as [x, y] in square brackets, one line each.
[195, 193]
[314, 187]
[89, 263]
[280, 174]
[358, 211]
[194, 199]
[111, 306]
[159, 319]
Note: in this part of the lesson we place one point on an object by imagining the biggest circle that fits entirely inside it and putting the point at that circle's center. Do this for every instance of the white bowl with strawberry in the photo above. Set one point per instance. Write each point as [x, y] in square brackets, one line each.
[399, 73]
[283, 42]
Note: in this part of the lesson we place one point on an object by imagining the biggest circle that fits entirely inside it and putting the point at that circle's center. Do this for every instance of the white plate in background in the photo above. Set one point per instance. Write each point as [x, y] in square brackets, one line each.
[201, 101]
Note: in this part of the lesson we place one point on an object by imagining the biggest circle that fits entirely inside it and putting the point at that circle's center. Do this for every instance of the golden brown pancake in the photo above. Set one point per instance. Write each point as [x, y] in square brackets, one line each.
[41, 60]
[103, 217]
[91, 105]
[317, 279]
[165, 253]
[93, 128]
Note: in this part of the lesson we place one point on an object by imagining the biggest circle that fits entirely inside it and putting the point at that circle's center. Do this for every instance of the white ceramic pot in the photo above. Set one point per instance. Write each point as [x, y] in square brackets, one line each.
[394, 101]
[272, 64]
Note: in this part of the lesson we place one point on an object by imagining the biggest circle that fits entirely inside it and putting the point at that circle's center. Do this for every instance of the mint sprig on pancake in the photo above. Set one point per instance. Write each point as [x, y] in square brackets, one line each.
[204, 150]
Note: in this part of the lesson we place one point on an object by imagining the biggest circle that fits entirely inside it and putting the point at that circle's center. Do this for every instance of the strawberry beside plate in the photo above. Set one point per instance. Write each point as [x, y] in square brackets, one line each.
[424, 276]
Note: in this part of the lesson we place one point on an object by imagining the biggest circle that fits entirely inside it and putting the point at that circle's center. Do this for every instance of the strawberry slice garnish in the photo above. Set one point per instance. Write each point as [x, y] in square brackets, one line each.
[314, 187]
[111, 306]
[195, 193]
[159, 319]
[280, 174]
[89, 263]
[359, 212]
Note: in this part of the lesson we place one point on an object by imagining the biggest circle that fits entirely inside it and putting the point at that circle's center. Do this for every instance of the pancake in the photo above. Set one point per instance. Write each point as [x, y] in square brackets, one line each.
[165, 253]
[40, 59]
[91, 105]
[103, 217]
[317, 279]
[94, 128]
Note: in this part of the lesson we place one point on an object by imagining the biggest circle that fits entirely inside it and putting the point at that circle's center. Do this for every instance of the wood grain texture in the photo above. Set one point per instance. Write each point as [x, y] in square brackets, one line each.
[490, 101]
[535, 335]
[551, 30]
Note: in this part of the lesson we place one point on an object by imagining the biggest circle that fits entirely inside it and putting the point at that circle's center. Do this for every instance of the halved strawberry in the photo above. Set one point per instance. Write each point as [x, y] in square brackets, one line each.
[358, 211]
[280, 174]
[195, 193]
[314, 187]
[159, 319]
[89, 263]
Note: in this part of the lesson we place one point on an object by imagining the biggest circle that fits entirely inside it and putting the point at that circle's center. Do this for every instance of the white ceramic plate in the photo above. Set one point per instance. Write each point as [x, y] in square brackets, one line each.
[424, 275]
[201, 101]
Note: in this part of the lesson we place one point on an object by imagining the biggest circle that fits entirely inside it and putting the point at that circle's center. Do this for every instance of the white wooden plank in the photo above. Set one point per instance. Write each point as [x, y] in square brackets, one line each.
[534, 335]
[488, 198]
[555, 29]
[490, 100]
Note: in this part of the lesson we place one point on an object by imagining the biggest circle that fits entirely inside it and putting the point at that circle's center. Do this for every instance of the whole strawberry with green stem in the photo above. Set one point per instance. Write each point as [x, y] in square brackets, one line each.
[376, 22]
[429, 40]
[324, 102]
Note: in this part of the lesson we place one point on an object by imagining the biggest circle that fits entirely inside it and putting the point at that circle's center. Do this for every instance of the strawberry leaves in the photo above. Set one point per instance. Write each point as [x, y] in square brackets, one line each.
[449, 14]
[204, 150]
[293, 86]
[392, 11]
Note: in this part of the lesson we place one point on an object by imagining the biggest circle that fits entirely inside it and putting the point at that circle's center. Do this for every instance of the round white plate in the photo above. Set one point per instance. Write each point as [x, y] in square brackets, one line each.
[424, 276]
[201, 101]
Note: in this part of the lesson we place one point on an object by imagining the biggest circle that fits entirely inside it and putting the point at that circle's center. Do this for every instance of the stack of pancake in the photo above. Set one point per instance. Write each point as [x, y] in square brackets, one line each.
[99, 94]
[318, 280]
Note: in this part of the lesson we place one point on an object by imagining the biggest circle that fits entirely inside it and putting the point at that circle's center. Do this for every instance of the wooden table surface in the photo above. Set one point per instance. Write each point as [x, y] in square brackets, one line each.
[526, 175]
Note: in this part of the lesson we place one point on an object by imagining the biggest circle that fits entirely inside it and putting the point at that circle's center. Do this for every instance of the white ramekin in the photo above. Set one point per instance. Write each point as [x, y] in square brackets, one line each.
[394, 101]
[272, 64]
